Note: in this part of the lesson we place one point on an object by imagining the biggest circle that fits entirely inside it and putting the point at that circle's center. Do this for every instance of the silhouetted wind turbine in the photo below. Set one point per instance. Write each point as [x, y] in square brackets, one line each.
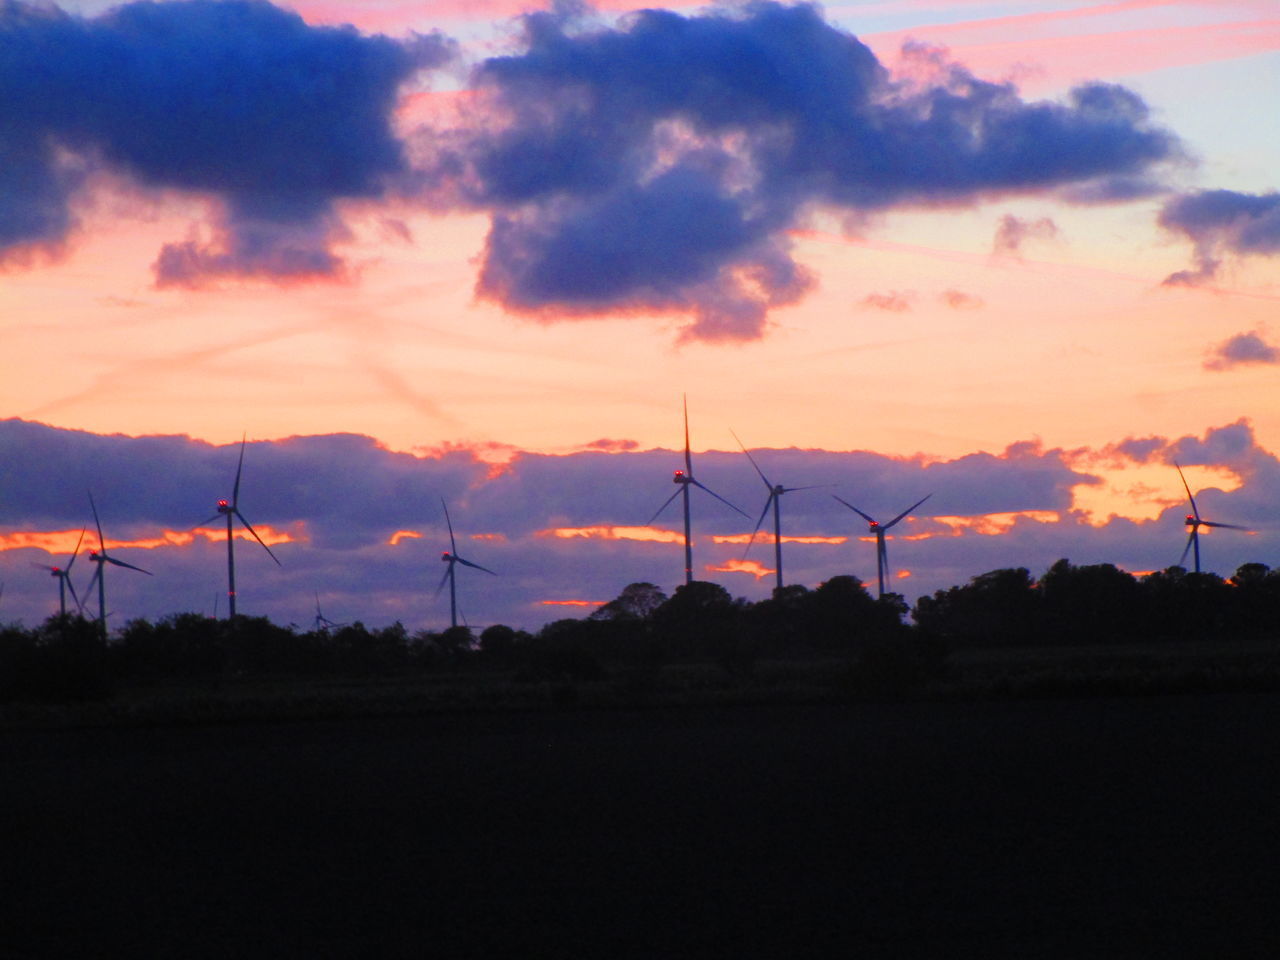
[451, 557]
[322, 622]
[1195, 523]
[775, 495]
[231, 510]
[685, 479]
[100, 557]
[879, 529]
[64, 578]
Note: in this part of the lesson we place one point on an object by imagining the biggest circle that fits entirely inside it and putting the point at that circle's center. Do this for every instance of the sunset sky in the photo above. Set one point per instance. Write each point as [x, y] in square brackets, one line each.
[1018, 255]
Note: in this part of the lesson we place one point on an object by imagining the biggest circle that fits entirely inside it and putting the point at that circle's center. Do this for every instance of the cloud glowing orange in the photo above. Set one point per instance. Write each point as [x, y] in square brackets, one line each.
[988, 524]
[757, 570]
[403, 535]
[572, 603]
[744, 537]
[64, 541]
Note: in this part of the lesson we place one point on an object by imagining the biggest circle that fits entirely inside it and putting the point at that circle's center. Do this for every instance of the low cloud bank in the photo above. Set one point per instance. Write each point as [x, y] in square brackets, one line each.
[352, 508]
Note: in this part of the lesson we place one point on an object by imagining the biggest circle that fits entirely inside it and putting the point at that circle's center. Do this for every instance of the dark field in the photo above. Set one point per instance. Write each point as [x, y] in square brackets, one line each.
[1142, 827]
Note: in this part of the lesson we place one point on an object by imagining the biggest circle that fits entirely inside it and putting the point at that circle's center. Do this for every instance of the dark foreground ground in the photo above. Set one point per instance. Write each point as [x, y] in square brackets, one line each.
[1142, 827]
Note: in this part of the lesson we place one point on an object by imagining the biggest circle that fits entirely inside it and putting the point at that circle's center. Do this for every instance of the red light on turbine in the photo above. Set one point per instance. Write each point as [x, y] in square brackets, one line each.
[875, 524]
[1190, 519]
[445, 556]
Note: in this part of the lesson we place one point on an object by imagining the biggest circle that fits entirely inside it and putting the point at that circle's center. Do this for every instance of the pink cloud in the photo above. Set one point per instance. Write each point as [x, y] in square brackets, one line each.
[1020, 48]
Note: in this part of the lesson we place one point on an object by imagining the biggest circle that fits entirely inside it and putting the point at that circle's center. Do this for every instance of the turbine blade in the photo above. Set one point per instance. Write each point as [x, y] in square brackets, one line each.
[855, 509]
[753, 461]
[1187, 549]
[1224, 526]
[815, 486]
[1195, 512]
[216, 516]
[763, 513]
[703, 486]
[688, 457]
[121, 563]
[44, 566]
[76, 552]
[665, 505]
[474, 566]
[102, 544]
[235, 490]
[444, 579]
[248, 526]
[906, 511]
[93, 581]
[72, 587]
[453, 546]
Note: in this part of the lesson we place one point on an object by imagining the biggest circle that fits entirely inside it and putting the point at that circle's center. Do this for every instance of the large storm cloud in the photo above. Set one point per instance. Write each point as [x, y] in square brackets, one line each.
[239, 101]
[657, 165]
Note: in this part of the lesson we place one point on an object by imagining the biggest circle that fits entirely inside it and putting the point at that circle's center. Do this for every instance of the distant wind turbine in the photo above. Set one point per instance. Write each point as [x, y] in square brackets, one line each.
[64, 578]
[100, 557]
[323, 623]
[1194, 523]
[879, 529]
[685, 479]
[775, 496]
[452, 559]
[231, 510]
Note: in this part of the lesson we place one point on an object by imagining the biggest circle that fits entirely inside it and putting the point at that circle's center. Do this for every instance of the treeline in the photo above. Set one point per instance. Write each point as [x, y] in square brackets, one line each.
[1101, 604]
[643, 629]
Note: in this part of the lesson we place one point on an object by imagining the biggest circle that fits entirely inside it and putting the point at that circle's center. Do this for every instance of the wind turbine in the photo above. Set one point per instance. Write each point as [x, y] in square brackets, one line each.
[323, 623]
[231, 510]
[100, 557]
[452, 559]
[684, 479]
[64, 578]
[775, 496]
[1194, 523]
[878, 528]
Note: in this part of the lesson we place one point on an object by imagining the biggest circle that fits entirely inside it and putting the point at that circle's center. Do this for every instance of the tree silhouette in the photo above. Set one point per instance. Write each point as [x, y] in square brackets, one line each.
[1098, 603]
[996, 608]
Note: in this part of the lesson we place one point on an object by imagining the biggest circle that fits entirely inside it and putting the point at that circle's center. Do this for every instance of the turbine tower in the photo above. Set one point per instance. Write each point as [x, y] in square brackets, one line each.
[452, 559]
[684, 479]
[775, 496]
[64, 578]
[231, 510]
[879, 529]
[100, 557]
[1194, 523]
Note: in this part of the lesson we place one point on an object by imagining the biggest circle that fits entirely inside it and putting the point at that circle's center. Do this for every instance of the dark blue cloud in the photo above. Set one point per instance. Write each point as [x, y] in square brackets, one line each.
[658, 165]
[1221, 222]
[239, 100]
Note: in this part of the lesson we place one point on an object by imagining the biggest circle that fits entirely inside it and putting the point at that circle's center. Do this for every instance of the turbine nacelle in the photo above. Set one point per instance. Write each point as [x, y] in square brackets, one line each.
[679, 477]
[224, 506]
[1192, 521]
[55, 571]
[874, 526]
[447, 557]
